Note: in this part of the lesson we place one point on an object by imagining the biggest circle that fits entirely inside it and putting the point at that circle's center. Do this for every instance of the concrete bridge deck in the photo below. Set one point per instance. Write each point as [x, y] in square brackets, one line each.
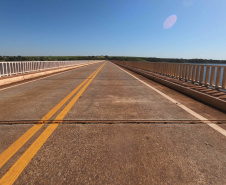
[155, 135]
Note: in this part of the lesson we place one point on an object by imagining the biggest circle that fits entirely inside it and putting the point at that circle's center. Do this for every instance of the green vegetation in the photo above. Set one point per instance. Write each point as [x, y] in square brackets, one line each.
[170, 60]
[49, 58]
[122, 58]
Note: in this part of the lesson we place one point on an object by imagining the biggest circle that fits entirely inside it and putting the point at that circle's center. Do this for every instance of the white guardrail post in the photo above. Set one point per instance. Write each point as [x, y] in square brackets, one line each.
[213, 76]
[205, 75]
[14, 68]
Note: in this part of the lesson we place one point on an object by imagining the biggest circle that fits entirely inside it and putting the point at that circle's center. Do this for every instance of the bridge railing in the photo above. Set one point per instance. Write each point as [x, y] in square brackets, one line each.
[14, 68]
[205, 75]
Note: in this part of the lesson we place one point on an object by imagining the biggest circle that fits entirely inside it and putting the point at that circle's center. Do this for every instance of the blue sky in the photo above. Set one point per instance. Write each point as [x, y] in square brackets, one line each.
[113, 27]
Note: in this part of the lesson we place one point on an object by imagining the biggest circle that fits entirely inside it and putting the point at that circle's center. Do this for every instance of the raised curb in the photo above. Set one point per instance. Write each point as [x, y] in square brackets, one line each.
[13, 79]
[215, 102]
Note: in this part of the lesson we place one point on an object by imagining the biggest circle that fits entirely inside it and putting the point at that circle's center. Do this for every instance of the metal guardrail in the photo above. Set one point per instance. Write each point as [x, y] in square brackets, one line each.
[204, 75]
[15, 68]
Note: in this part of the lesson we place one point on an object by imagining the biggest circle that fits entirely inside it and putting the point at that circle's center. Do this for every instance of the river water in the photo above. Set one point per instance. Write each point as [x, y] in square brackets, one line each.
[222, 75]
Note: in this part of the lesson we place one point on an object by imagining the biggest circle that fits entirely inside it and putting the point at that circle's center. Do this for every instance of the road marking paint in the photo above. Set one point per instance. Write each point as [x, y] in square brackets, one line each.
[45, 77]
[11, 150]
[195, 114]
[74, 100]
[15, 171]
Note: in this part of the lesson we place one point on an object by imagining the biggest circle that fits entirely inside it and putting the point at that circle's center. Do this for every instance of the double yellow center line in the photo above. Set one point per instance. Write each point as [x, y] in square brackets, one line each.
[22, 162]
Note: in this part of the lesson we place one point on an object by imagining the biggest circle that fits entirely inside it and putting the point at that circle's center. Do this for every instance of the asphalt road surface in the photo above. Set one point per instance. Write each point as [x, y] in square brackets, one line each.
[101, 124]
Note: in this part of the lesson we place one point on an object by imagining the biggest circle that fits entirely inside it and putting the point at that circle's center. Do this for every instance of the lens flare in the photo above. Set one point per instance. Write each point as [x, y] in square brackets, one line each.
[170, 21]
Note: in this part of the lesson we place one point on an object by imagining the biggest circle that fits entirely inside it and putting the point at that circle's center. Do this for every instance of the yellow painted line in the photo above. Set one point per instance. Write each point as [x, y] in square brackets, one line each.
[11, 150]
[15, 171]
[73, 101]
[49, 75]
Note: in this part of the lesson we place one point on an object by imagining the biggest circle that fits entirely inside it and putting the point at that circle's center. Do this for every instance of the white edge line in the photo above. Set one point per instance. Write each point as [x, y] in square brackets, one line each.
[212, 125]
[42, 77]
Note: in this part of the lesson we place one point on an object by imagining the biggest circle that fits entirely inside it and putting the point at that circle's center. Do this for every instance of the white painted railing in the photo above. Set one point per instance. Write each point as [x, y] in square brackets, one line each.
[14, 68]
[205, 75]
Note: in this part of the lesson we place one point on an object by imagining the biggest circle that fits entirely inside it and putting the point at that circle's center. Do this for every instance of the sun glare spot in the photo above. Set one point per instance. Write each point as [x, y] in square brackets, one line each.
[170, 21]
